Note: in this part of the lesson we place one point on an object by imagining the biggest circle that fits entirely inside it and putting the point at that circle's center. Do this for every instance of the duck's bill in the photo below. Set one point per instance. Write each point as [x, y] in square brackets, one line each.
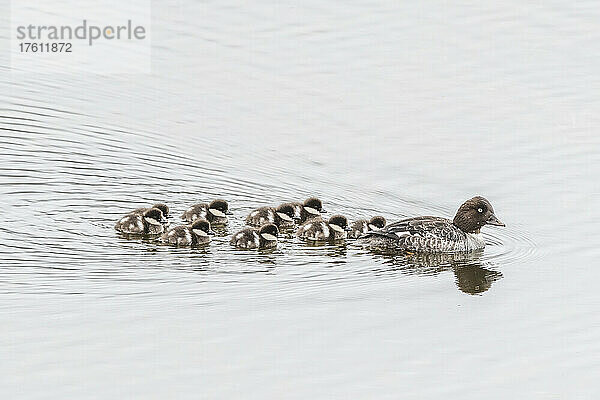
[268, 236]
[152, 221]
[199, 232]
[311, 210]
[285, 217]
[492, 220]
[216, 213]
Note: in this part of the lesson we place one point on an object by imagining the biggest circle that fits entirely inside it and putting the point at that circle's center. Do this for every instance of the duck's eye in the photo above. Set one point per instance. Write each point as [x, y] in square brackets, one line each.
[480, 209]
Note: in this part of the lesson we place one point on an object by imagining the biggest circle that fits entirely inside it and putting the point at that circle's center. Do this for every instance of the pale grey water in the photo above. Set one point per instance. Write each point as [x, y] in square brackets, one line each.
[376, 107]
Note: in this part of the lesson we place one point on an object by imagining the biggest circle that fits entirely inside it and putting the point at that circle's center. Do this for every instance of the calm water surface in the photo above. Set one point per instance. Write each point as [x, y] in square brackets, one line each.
[376, 107]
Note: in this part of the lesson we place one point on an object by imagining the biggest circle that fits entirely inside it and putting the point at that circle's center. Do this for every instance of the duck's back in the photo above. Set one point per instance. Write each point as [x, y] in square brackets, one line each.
[194, 212]
[131, 223]
[358, 228]
[424, 234]
[261, 216]
[247, 238]
[315, 230]
[177, 236]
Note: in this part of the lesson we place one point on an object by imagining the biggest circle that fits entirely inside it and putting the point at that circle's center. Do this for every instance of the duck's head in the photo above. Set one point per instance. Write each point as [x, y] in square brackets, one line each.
[376, 223]
[200, 228]
[338, 223]
[163, 208]
[474, 214]
[268, 232]
[219, 208]
[153, 216]
[286, 212]
[313, 206]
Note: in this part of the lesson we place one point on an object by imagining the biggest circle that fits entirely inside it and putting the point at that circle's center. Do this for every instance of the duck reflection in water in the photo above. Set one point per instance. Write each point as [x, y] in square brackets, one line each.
[472, 276]
[474, 279]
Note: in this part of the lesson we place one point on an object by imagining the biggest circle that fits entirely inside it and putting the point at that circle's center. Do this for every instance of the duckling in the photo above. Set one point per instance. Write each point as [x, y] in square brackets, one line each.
[318, 230]
[161, 206]
[285, 212]
[147, 223]
[310, 209]
[362, 226]
[252, 238]
[188, 235]
[216, 212]
[282, 216]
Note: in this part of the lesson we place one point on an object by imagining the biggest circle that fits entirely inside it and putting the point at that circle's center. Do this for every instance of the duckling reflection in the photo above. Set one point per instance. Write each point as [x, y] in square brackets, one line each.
[471, 276]
[220, 230]
[261, 261]
[329, 249]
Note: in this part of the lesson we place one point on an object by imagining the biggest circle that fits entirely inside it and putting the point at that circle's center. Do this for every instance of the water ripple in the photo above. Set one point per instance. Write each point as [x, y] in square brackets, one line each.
[70, 181]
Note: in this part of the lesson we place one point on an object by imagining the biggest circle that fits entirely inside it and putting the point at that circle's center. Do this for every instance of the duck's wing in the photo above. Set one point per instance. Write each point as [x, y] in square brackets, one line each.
[420, 234]
[418, 226]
